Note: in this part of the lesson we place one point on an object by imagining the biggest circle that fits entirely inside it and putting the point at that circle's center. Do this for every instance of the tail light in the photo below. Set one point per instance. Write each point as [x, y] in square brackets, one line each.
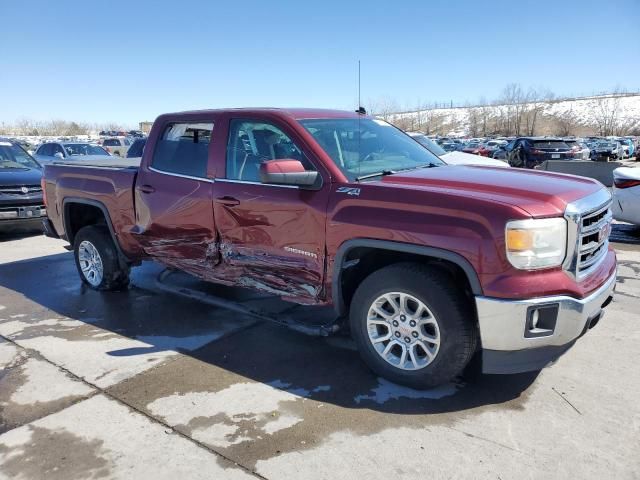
[44, 193]
[625, 183]
[107, 149]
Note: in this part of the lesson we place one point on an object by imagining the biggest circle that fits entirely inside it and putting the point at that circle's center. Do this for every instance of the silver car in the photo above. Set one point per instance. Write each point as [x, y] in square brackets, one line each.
[55, 151]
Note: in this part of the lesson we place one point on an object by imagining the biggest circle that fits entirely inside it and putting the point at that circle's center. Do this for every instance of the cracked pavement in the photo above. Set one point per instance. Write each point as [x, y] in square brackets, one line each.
[145, 384]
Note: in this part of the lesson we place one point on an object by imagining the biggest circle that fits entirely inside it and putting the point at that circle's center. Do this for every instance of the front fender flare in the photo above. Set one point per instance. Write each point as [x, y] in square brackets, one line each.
[433, 252]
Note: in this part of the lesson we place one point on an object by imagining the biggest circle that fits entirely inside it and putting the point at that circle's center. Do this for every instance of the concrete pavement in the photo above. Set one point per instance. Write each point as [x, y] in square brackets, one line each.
[144, 384]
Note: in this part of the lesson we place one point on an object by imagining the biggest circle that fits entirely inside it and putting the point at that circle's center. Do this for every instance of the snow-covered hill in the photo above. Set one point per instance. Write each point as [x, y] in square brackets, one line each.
[582, 115]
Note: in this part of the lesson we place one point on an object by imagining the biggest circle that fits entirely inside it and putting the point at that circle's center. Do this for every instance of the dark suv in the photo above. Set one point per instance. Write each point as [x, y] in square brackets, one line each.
[21, 204]
[529, 152]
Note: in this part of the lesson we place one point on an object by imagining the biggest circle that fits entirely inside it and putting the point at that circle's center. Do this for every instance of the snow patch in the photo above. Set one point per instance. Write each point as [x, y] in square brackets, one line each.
[261, 404]
[386, 391]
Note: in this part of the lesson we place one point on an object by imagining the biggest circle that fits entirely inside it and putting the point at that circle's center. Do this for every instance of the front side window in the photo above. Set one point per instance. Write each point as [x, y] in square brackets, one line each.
[251, 143]
[57, 149]
[366, 147]
[183, 149]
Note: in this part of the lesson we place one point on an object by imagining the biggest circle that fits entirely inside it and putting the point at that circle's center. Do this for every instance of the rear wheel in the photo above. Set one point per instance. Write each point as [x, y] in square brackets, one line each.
[412, 325]
[97, 259]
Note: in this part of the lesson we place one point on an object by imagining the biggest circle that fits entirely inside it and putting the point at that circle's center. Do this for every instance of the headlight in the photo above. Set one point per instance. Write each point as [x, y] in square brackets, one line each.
[536, 243]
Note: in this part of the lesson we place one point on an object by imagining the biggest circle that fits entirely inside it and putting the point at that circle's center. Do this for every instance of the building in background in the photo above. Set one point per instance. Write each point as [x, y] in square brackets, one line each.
[146, 126]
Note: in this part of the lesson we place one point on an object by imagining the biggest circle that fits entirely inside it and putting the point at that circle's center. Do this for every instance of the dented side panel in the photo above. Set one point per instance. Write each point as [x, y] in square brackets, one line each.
[273, 240]
[174, 223]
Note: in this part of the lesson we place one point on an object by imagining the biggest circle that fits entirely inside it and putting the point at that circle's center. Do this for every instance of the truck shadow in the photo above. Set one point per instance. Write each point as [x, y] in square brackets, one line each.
[326, 369]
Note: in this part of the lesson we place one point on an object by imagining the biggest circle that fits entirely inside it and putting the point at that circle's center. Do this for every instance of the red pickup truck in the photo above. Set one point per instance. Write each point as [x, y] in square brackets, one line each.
[426, 264]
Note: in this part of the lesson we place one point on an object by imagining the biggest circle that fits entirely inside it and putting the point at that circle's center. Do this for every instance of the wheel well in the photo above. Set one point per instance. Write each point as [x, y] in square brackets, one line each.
[360, 262]
[78, 215]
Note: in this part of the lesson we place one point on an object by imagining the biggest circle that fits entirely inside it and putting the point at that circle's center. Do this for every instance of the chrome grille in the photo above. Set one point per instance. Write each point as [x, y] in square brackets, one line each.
[18, 190]
[593, 238]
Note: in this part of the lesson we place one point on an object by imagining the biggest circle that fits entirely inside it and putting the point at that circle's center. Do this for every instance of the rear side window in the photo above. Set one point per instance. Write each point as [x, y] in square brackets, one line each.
[183, 149]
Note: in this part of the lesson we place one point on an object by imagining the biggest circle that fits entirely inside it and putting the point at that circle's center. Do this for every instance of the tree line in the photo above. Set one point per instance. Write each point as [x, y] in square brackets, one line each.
[56, 127]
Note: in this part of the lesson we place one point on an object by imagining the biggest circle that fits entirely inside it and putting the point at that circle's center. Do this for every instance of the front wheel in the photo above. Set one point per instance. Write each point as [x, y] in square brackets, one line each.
[97, 259]
[413, 325]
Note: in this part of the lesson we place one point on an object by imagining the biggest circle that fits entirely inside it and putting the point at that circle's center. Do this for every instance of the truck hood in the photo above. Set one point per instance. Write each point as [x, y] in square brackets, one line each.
[19, 177]
[538, 193]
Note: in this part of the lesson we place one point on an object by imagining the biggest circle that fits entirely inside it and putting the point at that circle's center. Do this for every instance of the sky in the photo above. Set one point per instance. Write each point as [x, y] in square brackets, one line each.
[129, 61]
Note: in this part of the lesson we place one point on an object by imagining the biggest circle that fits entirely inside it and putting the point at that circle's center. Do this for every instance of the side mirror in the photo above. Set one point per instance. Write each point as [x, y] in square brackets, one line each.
[287, 172]
[59, 155]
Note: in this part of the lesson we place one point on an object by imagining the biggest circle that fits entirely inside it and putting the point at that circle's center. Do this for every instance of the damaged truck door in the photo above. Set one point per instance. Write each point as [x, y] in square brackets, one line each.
[174, 212]
[269, 232]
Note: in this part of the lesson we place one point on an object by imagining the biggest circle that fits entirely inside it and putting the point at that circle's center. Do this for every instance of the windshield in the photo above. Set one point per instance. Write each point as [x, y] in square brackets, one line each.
[84, 149]
[14, 156]
[365, 146]
[432, 146]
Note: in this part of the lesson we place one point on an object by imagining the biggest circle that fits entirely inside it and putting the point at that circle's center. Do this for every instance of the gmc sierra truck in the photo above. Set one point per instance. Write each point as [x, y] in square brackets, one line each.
[426, 264]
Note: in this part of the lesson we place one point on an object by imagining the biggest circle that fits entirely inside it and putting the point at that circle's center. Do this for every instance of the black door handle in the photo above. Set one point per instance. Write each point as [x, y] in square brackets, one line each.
[228, 201]
[147, 189]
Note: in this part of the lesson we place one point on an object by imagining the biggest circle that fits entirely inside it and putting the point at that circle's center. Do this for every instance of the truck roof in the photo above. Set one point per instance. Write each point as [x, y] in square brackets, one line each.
[296, 113]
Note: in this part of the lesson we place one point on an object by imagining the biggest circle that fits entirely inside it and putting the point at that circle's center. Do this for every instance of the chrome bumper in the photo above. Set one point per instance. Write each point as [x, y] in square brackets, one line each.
[505, 324]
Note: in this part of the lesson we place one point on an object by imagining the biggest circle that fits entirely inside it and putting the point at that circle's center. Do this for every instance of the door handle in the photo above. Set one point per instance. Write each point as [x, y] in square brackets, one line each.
[228, 201]
[147, 189]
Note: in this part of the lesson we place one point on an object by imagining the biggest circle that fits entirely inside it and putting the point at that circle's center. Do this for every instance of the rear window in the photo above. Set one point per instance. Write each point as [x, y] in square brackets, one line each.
[183, 149]
[136, 148]
[111, 142]
[549, 144]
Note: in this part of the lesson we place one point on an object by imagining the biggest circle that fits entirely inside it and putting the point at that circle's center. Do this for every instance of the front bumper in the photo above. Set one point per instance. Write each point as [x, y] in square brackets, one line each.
[511, 345]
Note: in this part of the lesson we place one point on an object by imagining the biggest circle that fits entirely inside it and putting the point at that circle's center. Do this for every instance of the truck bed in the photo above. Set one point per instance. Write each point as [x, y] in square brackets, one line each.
[105, 162]
[108, 185]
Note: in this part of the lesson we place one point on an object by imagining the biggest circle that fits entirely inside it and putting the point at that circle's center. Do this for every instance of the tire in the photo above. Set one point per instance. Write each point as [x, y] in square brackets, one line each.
[94, 251]
[446, 305]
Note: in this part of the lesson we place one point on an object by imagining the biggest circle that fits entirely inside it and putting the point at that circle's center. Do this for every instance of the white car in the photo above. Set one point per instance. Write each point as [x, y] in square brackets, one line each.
[116, 145]
[626, 195]
[455, 157]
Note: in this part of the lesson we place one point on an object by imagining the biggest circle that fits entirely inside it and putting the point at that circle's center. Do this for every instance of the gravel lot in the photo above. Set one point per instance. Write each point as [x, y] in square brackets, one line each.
[146, 384]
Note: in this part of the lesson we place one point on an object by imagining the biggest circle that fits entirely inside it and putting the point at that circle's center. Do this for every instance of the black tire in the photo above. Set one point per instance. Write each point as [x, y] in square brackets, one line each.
[448, 304]
[115, 276]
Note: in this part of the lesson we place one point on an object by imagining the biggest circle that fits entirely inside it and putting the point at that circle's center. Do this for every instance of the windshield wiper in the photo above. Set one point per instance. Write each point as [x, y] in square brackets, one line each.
[376, 174]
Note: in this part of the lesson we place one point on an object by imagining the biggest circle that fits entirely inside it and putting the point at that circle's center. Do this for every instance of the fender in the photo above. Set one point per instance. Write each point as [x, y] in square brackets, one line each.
[94, 203]
[433, 252]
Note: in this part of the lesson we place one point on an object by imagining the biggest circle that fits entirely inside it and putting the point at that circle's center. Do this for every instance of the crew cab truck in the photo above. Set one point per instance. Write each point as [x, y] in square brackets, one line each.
[426, 264]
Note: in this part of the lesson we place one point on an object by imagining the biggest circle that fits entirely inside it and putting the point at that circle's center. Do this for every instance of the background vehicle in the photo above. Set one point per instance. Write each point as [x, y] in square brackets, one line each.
[608, 150]
[579, 149]
[55, 151]
[21, 203]
[529, 152]
[486, 149]
[136, 148]
[454, 157]
[117, 145]
[628, 146]
[626, 195]
[471, 147]
[430, 262]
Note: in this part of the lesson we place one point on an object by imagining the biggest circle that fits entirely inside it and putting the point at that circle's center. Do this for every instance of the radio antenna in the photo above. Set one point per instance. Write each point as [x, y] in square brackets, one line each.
[361, 110]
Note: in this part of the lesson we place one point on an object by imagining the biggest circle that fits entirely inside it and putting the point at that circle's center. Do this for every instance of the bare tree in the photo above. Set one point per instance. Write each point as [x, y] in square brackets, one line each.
[605, 114]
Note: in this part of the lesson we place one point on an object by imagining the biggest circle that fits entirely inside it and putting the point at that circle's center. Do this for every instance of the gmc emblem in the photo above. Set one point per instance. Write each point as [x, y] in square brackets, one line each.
[603, 234]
